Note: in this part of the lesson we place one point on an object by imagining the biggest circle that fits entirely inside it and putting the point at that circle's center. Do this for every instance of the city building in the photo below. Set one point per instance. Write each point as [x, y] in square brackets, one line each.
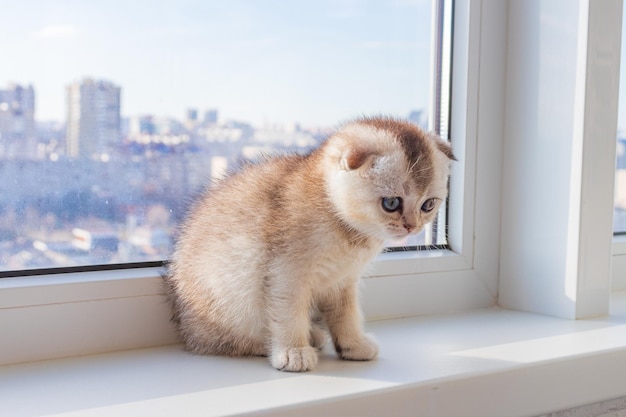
[18, 133]
[419, 117]
[210, 117]
[139, 125]
[191, 118]
[93, 118]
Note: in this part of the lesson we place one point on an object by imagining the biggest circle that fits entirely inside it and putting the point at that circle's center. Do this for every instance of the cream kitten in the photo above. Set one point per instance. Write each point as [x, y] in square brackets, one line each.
[268, 261]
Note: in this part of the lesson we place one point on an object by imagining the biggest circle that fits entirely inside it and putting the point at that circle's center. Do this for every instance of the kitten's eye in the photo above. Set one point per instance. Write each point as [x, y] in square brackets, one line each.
[429, 205]
[392, 204]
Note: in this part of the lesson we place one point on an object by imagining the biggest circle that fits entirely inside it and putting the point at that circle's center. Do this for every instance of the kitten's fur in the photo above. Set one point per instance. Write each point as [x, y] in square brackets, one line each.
[268, 261]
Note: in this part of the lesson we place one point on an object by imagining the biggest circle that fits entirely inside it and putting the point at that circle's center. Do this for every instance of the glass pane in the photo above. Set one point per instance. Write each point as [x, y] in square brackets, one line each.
[114, 114]
[619, 211]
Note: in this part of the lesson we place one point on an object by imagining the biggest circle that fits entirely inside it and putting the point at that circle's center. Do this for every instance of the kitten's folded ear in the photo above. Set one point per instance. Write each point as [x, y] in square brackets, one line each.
[445, 147]
[351, 151]
[355, 158]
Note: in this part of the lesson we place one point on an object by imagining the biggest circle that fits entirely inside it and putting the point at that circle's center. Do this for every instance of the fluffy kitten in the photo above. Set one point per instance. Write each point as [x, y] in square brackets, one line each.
[268, 261]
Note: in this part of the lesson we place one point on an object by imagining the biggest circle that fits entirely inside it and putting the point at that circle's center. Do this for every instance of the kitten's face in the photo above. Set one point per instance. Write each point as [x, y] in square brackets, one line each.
[389, 192]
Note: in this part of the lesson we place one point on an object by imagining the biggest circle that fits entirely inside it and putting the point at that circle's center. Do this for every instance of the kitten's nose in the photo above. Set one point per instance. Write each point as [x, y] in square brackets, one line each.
[409, 228]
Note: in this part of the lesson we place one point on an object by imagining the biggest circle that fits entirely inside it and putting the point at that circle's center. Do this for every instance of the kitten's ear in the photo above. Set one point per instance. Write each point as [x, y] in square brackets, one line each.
[446, 149]
[355, 158]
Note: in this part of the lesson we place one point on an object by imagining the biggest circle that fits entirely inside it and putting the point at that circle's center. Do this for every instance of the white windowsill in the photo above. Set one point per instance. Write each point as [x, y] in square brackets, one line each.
[485, 362]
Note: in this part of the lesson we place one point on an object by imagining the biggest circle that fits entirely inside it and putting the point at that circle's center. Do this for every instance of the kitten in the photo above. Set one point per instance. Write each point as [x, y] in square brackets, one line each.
[268, 261]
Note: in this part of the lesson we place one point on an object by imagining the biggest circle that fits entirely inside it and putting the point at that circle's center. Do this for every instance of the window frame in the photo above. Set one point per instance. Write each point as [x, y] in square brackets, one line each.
[618, 272]
[111, 310]
[564, 107]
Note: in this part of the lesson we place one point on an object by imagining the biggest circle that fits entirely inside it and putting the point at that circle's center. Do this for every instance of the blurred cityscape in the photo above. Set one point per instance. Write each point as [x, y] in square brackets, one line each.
[100, 188]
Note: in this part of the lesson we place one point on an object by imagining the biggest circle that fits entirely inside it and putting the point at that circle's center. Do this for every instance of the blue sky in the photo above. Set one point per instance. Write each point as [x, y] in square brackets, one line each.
[312, 62]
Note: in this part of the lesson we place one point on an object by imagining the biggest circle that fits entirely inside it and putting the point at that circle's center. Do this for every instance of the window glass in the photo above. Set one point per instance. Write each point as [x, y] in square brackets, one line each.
[114, 114]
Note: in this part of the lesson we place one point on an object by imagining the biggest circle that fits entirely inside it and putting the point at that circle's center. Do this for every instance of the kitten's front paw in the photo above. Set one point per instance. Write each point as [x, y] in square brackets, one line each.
[298, 359]
[362, 349]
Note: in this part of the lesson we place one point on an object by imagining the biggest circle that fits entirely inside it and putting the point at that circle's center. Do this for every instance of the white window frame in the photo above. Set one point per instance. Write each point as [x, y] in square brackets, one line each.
[69, 314]
[561, 125]
[618, 271]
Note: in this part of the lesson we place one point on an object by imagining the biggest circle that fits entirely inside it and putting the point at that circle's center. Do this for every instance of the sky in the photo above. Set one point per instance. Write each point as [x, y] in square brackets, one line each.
[310, 62]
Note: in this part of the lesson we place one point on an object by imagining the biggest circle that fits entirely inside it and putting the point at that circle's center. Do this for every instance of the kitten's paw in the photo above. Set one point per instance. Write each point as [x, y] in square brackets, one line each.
[318, 337]
[298, 359]
[362, 349]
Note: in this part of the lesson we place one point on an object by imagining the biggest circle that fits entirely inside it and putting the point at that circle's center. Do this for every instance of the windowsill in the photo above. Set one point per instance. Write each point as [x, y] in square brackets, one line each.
[484, 362]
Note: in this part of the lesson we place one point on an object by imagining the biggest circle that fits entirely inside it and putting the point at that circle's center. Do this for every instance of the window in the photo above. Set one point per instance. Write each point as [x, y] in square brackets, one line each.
[495, 256]
[110, 122]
